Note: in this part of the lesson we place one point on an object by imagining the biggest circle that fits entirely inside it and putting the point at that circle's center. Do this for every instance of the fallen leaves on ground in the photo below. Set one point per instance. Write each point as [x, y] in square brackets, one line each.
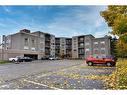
[118, 79]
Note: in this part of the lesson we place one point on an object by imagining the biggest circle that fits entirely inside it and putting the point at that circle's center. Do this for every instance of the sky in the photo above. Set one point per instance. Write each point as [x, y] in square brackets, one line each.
[65, 21]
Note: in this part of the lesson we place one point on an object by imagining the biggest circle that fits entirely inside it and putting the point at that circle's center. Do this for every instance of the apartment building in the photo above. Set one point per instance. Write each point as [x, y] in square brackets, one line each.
[24, 43]
[47, 43]
[63, 47]
[86, 45]
[39, 44]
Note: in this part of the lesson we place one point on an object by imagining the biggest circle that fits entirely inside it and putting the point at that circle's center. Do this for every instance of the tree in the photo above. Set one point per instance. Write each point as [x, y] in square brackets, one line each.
[113, 46]
[112, 13]
[116, 18]
[122, 49]
[120, 25]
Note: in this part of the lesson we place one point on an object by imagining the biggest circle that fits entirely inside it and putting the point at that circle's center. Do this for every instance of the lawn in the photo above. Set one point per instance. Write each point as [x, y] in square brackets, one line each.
[3, 61]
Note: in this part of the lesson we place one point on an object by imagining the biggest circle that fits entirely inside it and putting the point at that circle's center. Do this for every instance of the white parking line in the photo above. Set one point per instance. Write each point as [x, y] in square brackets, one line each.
[41, 84]
[47, 74]
[33, 82]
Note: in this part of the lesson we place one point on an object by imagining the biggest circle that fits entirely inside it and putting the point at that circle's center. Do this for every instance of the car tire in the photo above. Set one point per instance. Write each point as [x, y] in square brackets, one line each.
[23, 60]
[109, 64]
[90, 63]
[13, 60]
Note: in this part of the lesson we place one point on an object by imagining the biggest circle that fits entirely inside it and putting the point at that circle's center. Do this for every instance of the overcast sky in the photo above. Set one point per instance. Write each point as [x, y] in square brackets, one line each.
[66, 21]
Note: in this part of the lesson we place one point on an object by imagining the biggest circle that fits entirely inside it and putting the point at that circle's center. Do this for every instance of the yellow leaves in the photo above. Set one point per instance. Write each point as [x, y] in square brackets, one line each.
[111, 81]
[70, 75]
[118, 79]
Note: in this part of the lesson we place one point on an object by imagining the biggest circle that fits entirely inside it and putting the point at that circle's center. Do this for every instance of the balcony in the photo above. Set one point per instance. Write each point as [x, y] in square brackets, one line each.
[47, 40]
[57, 47]
[80, 41]
[81, 47]
[68, 47]
[81, 53]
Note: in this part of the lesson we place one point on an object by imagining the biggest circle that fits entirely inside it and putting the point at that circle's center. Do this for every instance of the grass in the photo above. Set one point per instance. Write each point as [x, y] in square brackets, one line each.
[3, 61]
[118, 79]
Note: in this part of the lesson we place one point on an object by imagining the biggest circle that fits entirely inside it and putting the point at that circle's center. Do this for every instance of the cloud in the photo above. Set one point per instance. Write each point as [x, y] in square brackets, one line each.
[100, 34]
[64, 21]
[77, 22]
[7, 9]
[99, 22]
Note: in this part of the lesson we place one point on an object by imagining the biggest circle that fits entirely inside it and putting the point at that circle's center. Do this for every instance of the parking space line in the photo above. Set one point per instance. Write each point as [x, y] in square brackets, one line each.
[43, 75]
[41, 84]
[47, 74]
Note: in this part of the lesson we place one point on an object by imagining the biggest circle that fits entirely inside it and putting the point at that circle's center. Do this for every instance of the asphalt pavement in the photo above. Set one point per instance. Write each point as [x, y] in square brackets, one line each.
[55, 74]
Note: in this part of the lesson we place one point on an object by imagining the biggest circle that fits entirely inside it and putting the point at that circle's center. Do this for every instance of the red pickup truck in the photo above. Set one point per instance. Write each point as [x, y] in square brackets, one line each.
[109, 61]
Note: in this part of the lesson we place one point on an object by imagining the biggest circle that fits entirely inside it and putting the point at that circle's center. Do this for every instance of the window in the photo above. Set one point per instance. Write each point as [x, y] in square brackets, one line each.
[81, 39]
[26, 41]
[87, 49]
[74, 38]
[102, 42]
[81, 50]
[87, 44]
[87, 53]
[33, 42]
[75, 44]
[42, 36]
[53, 40]
[96, 51]
[102, 48]
[95, 42]
[95, 46]
[62, 45]
[102, 51]
[33, 49]
[81, 44]
[87, 39]
[26, 47]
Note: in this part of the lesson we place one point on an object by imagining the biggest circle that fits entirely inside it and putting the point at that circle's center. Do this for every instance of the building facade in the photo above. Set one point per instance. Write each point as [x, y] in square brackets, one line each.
[63, 47]
[87, 45]
[24, 43]
[39, 44]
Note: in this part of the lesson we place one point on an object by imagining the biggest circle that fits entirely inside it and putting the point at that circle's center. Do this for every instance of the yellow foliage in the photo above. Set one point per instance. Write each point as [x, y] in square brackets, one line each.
[118, 79]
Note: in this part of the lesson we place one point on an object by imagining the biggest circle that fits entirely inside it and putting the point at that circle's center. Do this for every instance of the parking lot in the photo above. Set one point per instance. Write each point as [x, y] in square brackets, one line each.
[55, 74]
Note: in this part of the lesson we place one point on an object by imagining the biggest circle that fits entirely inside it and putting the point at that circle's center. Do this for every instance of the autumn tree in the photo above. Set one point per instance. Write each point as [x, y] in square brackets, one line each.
[116, 18]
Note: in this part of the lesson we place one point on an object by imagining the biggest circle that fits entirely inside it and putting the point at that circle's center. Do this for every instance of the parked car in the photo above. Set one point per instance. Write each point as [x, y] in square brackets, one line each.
[52, 58]
[25, 59]
[20, 59]
[100, 60]
[14, 59]
[57, 58]
[45, 58]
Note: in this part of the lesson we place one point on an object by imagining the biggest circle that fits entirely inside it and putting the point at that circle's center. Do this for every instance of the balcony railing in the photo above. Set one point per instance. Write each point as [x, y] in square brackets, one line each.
[47, 39]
